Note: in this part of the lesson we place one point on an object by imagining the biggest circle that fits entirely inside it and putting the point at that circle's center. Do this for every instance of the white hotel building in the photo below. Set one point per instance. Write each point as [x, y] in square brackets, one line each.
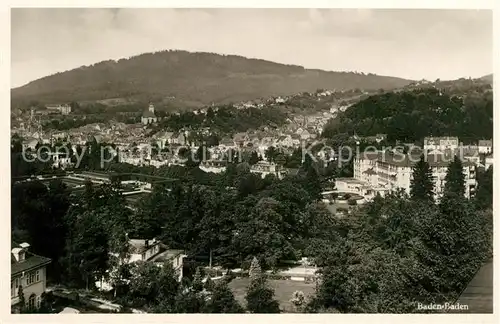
[443, 143]
[388, 171]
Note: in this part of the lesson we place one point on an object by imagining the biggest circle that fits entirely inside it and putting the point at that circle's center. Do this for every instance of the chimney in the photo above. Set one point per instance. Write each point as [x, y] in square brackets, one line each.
[146, 243]
[24, 246]
[19, 253]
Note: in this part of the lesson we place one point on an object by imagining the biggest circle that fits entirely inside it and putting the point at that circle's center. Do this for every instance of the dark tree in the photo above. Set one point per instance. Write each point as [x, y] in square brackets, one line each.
[254, 158]
[309, 178]
[455, 178]
[422, 186]
[484, 193]
[222, 300]
[260, 297]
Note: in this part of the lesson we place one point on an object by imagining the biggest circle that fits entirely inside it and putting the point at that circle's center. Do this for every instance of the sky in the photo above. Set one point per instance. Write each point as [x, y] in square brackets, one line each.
[409, 43]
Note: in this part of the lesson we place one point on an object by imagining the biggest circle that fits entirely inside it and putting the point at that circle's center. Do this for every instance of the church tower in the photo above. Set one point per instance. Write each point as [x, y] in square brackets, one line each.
[151, 108]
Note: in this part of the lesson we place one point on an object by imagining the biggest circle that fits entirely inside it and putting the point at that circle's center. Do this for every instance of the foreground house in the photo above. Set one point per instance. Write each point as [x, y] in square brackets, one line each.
[149, 250]
[152, 250]
[28, 271]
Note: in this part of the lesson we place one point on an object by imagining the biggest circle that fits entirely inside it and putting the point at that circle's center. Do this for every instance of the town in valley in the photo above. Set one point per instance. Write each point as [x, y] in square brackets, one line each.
[214, 188]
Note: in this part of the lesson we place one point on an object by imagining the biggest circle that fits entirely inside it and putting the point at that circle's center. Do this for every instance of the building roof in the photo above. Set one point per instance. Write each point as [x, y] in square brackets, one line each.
[436, 140]
[69, 310]
[148, 114]
[351, 181]
[485, 143]
[138, 246]
[31, 261]
[167, 255]
[369, 155]
[370, 172]
[408, 160]
[226, 141]
[478, 294]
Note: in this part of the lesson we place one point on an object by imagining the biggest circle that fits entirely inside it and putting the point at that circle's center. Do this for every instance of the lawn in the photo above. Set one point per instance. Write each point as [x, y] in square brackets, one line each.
[283, 290]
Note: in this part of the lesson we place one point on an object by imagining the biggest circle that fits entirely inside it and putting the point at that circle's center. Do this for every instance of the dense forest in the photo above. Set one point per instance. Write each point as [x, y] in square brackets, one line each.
[410, 116]
[196, 79]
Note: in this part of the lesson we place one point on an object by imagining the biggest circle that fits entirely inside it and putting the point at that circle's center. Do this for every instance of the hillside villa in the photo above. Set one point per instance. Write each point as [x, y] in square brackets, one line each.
[28, 271]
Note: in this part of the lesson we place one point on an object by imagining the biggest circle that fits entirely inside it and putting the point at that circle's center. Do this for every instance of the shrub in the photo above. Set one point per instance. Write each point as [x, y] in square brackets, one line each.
[352, 202]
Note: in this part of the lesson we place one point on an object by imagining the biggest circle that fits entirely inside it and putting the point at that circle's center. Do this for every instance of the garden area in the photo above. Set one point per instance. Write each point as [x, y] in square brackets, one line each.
[283, 291]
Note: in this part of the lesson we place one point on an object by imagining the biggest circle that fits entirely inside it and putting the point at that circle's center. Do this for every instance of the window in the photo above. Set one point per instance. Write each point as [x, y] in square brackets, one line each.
[38, 301]
[30, 278]
[31, 301]
[33, 277]
[13, 287]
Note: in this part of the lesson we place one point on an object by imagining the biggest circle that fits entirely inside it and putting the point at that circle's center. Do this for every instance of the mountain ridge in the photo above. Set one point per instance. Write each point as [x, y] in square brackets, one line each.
[196, 78]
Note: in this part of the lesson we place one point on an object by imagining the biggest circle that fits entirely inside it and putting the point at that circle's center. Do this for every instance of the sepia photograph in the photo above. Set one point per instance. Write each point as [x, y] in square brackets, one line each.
[251, 161]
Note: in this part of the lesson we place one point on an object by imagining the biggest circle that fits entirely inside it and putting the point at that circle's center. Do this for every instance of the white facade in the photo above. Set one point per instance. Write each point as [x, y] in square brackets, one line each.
[150, 251]
[264, 168]
[441, 143]
[485, 146]
[149, 116]
[488, 161]
[386, 172]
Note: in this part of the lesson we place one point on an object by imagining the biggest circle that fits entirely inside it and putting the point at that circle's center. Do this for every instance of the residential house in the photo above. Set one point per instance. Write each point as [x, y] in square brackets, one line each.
[279, 100]
[488, 161]
[64, 109]
[441, 143]
[60, 159]
[226, 143]
[469, 153]
[175, 257]
[166, 138]
[305, 135]
[178, 138]
[241, 139]
[30, 143]
[28, 271]
[296, 140]
[214, 166]
[264, 168]
[485, 146]
[285, 141]
[153, 250]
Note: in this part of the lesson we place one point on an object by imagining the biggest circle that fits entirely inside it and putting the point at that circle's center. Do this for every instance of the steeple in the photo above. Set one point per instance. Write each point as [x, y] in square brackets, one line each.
[151, 108]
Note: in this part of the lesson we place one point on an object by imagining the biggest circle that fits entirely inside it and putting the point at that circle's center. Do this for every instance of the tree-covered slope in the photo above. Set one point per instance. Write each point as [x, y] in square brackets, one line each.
[193, 78]
[412, 115]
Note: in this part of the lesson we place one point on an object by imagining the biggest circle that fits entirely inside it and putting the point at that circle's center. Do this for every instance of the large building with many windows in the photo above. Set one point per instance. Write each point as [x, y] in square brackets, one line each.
[443, 143]
[387, 171]
[28, 271]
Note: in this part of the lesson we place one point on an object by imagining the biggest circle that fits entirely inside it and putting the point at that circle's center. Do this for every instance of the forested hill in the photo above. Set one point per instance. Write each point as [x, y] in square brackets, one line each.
[411, 115]
[192, 78]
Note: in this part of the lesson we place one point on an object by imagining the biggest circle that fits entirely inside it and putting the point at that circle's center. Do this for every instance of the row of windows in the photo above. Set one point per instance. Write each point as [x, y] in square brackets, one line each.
[34, 301]
[31, 278]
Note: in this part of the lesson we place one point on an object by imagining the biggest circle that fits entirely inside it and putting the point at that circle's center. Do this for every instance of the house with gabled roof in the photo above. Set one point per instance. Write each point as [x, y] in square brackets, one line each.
[485, 146]
[28, 270]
